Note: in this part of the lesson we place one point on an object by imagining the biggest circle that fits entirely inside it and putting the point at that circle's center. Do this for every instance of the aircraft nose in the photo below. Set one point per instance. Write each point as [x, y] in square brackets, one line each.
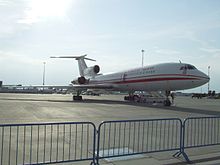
[205, 78]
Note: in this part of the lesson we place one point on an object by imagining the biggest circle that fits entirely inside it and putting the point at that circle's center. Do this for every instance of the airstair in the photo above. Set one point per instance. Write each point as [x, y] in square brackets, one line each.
[153, 98]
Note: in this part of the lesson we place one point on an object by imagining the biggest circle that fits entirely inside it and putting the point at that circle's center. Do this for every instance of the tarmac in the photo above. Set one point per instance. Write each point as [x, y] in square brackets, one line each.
[37, 108]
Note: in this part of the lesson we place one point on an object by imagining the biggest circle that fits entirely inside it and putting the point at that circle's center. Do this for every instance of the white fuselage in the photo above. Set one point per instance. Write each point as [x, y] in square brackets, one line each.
[160, 77]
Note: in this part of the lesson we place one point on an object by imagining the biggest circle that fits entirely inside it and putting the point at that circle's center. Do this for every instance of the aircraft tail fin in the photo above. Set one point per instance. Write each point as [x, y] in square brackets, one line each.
[81, 61]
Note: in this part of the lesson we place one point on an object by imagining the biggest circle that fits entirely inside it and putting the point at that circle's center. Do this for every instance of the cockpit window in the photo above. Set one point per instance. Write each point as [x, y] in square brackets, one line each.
[183, 67]
[189, 67]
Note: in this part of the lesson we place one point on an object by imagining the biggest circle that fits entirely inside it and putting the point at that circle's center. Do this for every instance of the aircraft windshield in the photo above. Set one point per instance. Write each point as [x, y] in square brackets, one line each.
[189, 67]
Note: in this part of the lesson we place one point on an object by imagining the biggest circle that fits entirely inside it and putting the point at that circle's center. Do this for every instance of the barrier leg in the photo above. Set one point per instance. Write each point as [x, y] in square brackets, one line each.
[177, 154]
[182, 152]
[94, 163]
[186, 157]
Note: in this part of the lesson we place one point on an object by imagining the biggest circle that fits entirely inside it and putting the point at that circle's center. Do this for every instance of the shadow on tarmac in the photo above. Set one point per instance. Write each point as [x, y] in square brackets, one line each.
[171, 108]
[216, 158]
[193, 110]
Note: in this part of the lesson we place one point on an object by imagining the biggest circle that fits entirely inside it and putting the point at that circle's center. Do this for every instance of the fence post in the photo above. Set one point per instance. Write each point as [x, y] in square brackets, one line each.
[98, 144]
[182, 143]
[94, 146]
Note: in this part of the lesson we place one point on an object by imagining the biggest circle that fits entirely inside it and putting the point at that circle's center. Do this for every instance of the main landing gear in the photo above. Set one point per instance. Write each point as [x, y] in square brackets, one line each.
[77, 97]
[152, 99]
[132, 97]
[167, 102]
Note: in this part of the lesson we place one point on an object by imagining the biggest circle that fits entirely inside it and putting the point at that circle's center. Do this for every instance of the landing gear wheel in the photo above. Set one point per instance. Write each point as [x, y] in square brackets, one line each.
[77, 98]
[126, 98]
[136, 99]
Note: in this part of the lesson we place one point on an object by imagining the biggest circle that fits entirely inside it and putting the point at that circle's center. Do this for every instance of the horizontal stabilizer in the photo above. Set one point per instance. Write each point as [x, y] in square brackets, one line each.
[75, 57]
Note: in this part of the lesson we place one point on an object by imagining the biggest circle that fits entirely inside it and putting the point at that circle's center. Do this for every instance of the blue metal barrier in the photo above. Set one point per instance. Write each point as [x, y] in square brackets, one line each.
[47, 143]
[199, 132]
[131, 137]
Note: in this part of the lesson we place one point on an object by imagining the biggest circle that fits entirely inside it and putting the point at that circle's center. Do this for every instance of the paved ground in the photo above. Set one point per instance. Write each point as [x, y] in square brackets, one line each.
[23, 108]
[28, 108]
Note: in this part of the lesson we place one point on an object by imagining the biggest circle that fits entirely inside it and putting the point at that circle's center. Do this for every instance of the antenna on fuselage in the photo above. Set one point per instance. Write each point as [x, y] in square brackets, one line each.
[142, 51]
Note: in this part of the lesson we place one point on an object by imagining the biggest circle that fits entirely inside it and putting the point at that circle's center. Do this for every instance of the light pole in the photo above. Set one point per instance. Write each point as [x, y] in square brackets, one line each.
[44, 73]
[142, 51]
[209, 77]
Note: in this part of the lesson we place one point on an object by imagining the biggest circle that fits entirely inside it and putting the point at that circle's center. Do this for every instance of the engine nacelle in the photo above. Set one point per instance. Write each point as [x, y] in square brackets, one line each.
[81, 80]
[91, 71]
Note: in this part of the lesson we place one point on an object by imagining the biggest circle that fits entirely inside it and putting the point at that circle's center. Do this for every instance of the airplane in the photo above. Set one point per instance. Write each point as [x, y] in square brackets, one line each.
[160, 77]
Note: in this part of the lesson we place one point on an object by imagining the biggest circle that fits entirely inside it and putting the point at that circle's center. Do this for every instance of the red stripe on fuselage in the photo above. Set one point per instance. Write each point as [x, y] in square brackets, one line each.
[150, 78]
[153, 80]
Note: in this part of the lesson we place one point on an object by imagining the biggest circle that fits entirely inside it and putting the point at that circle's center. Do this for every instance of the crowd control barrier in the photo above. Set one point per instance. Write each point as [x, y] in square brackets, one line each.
[200, 132]
[47, 143]
[131, 137]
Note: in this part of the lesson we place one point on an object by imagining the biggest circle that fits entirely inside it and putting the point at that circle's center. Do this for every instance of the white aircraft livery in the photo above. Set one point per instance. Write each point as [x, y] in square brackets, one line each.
[160, 77]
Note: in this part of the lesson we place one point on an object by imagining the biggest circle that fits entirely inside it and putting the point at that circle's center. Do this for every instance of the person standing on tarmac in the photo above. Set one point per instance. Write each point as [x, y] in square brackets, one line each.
[172, 97]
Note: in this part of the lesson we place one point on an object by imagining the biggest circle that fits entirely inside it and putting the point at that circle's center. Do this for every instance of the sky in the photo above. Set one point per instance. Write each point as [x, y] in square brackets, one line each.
[113, 32]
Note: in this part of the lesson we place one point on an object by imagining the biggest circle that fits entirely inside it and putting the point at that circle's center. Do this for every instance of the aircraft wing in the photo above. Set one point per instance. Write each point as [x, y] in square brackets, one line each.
[75, 86]
[93, 86]
[49, 86]
[70, 87]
